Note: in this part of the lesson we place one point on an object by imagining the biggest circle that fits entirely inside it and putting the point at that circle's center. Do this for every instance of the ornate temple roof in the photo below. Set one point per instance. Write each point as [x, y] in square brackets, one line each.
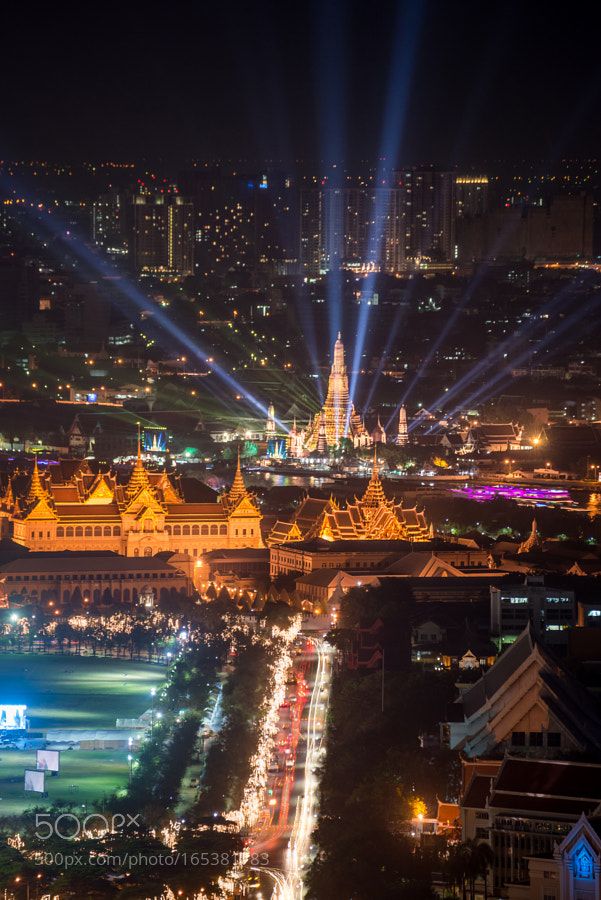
[372, 517]
[138, 480]
[374, 495]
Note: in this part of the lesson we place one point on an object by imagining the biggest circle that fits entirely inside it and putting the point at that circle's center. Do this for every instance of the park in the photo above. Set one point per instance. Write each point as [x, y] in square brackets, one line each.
[74, 692]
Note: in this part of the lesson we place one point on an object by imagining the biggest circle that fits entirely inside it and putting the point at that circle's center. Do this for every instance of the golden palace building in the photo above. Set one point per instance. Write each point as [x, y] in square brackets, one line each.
[74, 509]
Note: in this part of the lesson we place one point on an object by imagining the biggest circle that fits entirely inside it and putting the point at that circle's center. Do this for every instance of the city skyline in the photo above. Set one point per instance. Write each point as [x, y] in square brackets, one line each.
[300, 452]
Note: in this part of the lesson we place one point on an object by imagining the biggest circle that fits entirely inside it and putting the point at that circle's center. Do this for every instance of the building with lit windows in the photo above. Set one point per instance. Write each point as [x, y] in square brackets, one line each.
[69, 508]
[471, 195]
[109, 223]
[429, 215]
[552, 611]
[163, 235]
[352, 227]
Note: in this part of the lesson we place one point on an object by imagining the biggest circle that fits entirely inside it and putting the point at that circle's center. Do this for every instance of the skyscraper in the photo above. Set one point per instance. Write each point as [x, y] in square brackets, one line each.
[352, 226]
[471, 195]
[311, 232]
[109, 226]
[429, 213]
[163, 236]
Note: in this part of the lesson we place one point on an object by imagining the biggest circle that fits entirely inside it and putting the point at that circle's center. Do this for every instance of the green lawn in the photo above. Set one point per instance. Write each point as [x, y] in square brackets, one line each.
[71, 692]
[86, 777]
[77, 691]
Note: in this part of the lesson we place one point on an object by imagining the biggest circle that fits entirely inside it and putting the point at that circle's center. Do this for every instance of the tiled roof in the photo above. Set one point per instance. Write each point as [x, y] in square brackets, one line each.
[496, 677]
[190, 511]
[545, 805]
[82, 562]
[556, 778]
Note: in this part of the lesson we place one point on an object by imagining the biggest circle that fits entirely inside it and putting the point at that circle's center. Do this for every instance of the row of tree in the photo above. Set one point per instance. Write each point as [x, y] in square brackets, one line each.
[227, 767]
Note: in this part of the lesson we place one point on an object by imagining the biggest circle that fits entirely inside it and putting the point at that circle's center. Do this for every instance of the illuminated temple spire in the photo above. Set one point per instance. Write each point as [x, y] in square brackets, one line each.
[403, 432]
[238, 491]
[533, 541]
[36, 488]
[374, 495]
[339, 416]
[270, 424]
[9, 497]
[138, 480]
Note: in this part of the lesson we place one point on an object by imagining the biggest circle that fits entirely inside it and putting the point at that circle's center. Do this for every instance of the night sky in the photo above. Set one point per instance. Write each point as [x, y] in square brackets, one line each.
[311, 80]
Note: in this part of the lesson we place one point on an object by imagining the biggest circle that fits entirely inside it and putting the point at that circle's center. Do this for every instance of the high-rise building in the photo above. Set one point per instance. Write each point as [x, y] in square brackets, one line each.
[311, 232]
[429, 213]
[393, 230]
[19, 291]
[246, 221]
[352, 226]
[109, 224]
[163, 235]
[471, 195]
[559, 230]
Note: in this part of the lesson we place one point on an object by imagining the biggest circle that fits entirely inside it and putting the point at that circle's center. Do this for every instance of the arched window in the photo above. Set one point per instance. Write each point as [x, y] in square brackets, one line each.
[186, 529]
[204, 529]
[213, 529]
[195, 529]
[177, 529]
[97, 531]
[147, 551]
[223, 529]
[60, 531]
[168, 529]
[136, 552]
[117, 531]
[88, 531]
[79, 531]
[69, 532]
[107, 530]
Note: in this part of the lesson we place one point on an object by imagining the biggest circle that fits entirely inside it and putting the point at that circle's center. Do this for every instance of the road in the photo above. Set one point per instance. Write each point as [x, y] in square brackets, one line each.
[283, 838]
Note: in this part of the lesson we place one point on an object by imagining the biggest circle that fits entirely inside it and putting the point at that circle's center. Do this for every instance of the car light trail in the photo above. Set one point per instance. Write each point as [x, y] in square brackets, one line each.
[304, 822]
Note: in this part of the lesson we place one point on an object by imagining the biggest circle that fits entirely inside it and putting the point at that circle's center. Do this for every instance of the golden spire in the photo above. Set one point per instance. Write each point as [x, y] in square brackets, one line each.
[139, 476]
[238, 488]
[374, 495]
[9, 497]
[36, 488]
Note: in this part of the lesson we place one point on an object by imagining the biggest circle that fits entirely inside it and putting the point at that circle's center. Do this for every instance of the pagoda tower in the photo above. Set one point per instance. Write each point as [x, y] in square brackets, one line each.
[322, 441]
[296, 440]
[378, 435]
[403, 432]
[238, 489]
[533, 541]
[270, 424]
[374, 495]
[36, 491]
[138, 480]
[340, 419]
